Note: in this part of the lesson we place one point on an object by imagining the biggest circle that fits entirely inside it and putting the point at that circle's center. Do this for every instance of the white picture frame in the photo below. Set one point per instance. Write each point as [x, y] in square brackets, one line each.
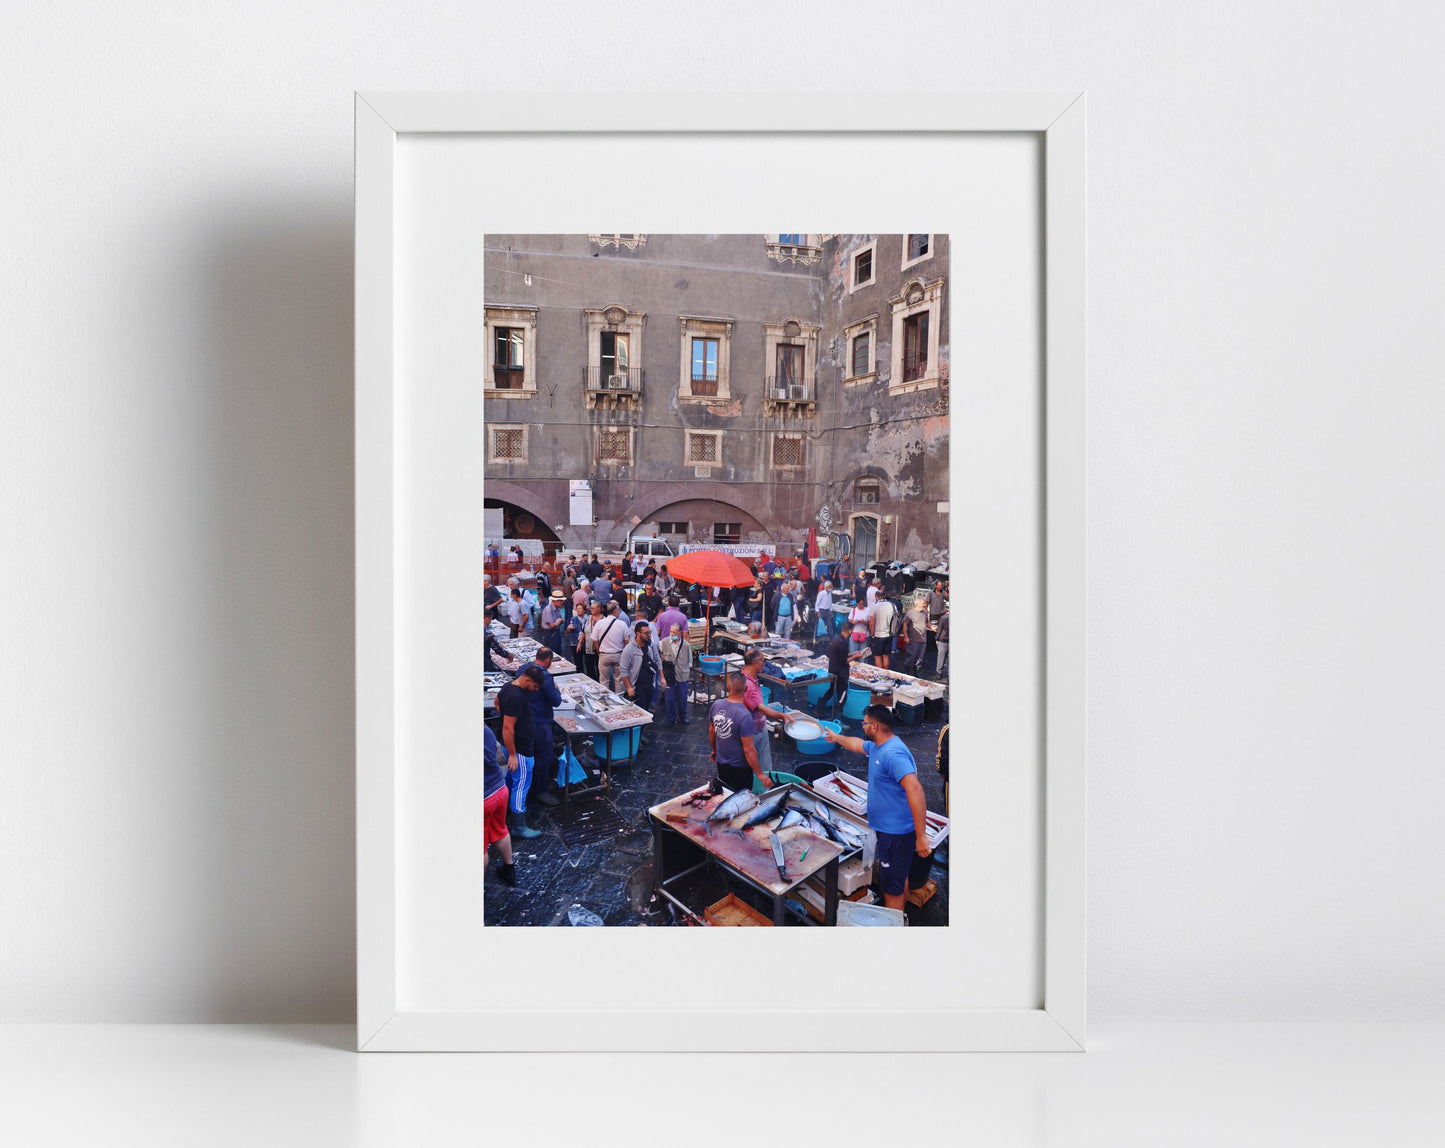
[387, 1018]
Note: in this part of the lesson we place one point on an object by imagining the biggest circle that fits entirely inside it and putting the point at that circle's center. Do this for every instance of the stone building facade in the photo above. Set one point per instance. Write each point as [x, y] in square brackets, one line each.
[719, 388]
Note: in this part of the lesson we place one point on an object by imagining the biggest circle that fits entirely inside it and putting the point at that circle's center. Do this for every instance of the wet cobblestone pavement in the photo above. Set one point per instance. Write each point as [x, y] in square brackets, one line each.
[612, 876]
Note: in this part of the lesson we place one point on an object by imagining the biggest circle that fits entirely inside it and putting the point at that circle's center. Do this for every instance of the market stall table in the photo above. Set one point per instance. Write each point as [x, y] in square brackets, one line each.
[747, 855]
[590, 709]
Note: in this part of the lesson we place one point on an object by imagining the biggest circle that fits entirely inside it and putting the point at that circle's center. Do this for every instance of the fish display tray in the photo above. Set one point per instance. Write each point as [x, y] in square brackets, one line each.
[731, 911]
[828, 786]
[868, 675]
[621, 719]
[844, 789]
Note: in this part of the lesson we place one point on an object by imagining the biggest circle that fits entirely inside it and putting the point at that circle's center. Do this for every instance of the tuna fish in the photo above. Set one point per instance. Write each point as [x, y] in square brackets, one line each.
[791, 817]
[739, 802]
[767, 807]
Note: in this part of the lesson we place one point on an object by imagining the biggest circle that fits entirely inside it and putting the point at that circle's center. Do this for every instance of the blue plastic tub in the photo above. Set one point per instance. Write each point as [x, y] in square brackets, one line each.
[858, 701]
[819, 691]
[618, 748]
[708, 664]
[822, 745]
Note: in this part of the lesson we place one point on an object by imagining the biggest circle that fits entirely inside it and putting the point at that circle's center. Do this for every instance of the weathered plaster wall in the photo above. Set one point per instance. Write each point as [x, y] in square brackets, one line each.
[730, 277]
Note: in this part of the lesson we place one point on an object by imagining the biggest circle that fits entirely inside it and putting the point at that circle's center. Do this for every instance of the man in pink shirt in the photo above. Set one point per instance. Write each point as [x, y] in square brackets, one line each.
[753, 699]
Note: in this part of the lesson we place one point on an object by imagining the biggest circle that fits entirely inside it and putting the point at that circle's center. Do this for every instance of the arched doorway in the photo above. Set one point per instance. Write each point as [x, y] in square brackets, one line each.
[517, 522]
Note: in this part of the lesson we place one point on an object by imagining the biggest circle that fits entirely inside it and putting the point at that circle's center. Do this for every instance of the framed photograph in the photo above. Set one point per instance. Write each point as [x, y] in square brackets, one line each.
[713, 577]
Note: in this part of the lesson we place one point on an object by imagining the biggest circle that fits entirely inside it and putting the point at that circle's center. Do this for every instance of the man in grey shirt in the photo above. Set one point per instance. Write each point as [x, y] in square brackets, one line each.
[730, 730]
[641, 666]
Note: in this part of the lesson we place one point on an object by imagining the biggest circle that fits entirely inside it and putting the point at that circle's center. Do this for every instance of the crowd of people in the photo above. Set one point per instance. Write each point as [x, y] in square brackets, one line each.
[645, 655]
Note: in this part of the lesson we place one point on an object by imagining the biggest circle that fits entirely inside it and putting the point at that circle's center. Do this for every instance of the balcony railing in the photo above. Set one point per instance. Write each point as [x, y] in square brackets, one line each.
[915, 366]
[612, 381]
[790, 389]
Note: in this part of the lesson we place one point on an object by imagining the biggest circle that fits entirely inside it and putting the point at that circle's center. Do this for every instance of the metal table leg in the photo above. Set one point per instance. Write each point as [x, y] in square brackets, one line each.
[830, 893]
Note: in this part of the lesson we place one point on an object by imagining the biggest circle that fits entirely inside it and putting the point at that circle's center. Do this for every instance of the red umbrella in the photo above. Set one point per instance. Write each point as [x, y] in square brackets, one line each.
[812, 551]
[710, 568]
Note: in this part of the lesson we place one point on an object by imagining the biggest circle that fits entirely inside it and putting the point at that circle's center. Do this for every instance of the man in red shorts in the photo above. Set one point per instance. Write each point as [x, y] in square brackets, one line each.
[494, 806]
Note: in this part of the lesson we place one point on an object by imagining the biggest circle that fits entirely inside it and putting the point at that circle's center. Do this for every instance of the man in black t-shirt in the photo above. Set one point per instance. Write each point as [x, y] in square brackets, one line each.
[839, 664]
[651, 601]
[519, 738]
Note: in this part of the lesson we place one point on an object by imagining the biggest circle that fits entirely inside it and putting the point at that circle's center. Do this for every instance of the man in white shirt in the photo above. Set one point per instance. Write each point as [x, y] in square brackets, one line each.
[824, 606]
[883, 615]
[610, 634]
[873, 591]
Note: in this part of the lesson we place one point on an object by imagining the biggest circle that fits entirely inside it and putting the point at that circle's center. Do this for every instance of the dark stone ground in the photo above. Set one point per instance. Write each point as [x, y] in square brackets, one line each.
[613, 876]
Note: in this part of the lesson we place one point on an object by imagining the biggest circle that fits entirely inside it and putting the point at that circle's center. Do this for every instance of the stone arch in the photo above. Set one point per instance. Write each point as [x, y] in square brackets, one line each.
[700, 492]
[536, 500]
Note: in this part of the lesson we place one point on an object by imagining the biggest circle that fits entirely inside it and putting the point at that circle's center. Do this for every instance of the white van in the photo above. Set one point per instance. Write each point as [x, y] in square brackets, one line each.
[659, 548]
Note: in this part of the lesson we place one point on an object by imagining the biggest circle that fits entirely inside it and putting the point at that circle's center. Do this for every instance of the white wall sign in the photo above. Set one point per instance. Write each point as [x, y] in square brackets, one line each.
[579, 502]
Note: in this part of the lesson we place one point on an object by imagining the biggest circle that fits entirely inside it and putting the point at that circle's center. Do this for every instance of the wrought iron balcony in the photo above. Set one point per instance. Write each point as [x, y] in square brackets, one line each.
[627, 380]
[611, 386]
[789, 393]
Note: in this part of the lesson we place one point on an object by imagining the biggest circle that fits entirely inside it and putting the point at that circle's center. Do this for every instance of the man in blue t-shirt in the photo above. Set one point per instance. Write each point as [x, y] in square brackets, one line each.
[730, 730]
[896, 805]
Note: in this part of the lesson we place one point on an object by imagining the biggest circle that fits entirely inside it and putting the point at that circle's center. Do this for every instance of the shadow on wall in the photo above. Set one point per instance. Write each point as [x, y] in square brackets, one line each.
[276, 429]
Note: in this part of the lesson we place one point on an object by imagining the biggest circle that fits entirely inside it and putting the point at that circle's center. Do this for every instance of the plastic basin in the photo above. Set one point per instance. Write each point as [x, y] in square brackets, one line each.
[819, 746]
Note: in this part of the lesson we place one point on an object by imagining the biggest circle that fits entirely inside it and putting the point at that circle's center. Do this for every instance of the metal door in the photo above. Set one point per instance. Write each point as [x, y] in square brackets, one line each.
[865, 541]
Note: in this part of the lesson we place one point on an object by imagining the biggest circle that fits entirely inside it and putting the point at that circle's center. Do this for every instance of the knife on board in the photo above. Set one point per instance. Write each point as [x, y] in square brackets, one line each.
[778, 855]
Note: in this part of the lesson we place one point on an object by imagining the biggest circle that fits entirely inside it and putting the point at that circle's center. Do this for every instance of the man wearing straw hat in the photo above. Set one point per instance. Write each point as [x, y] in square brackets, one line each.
[554, 617]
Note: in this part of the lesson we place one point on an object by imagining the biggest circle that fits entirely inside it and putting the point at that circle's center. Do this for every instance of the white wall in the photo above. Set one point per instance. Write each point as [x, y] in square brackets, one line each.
[1267, 497]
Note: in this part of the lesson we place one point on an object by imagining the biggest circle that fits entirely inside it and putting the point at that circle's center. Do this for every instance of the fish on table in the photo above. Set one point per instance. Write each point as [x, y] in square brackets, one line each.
[767, 807]
[734, 806]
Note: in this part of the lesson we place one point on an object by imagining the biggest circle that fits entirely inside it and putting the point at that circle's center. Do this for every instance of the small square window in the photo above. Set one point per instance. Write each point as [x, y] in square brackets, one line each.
[509, 444]
[614, 445]
[727, 533]
[672, 528]
[918, 246]
[865, 490]
[787, 450]
[702, 449]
